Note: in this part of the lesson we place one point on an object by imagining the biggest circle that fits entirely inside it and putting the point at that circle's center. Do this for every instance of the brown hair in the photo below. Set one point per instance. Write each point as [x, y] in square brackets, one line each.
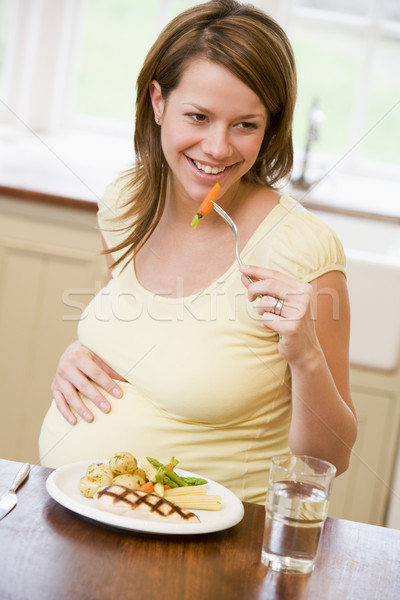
[253, 47]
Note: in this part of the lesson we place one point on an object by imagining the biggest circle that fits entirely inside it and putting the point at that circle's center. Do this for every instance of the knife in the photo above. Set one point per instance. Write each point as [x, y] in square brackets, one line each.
[9, 499]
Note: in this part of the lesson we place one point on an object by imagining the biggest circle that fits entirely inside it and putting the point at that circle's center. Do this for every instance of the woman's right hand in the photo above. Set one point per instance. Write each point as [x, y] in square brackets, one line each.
[77, 369]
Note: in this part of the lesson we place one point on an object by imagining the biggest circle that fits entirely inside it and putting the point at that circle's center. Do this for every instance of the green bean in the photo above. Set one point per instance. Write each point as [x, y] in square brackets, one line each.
[164, 479]
[195, 480]
[171, 474]
[175, 477]
[154, 462]
[174, 461]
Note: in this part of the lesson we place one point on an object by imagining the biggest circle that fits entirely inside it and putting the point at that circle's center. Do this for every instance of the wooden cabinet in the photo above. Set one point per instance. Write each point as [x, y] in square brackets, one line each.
[50, 268]
[362, 493]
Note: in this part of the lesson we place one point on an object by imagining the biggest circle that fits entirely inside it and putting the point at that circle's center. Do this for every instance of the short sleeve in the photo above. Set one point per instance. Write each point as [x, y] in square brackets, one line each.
[302, 245]
[326, 254]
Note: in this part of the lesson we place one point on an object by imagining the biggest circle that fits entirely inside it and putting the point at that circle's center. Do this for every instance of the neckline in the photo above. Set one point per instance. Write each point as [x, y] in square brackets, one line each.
[233, 267]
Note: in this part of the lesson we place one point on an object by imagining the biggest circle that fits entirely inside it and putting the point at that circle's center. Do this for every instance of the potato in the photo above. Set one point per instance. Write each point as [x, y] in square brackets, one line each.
[100, 472]
[131, 481]
[88, 486]
[123, 462]
[140, 473]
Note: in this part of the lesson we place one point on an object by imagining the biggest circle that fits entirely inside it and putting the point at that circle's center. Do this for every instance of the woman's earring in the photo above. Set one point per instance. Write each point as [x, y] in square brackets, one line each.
[158, 120]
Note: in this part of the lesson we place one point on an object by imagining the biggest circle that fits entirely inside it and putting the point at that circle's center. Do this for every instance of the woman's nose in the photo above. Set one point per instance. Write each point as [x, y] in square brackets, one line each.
[217, 143]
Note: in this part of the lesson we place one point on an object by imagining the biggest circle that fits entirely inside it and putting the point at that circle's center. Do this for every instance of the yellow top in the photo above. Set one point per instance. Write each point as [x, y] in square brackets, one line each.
[206, 382]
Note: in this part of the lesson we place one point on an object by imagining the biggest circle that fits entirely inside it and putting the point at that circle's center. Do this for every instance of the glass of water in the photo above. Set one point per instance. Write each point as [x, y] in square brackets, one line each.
[298, 495]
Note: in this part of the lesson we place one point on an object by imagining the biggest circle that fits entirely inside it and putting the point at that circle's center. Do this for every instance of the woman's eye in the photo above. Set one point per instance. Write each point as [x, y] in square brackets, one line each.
[248, 126]
[198, 117]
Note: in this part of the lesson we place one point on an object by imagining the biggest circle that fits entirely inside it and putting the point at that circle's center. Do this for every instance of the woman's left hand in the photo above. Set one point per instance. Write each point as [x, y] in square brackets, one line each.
[286, 306]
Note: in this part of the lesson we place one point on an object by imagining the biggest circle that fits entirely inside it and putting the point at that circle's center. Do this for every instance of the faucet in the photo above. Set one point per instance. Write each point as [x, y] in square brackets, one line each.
[315, 119]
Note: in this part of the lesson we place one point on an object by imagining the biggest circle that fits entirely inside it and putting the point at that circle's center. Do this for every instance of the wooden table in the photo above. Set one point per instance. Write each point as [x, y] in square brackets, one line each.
[48, 553]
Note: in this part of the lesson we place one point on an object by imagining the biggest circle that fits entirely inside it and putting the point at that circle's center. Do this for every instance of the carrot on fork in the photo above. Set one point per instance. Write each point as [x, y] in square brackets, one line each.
[206, 206]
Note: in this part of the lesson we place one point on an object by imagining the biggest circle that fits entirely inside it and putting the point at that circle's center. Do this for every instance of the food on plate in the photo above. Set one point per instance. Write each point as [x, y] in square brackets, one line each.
[159, 489]
[206, 206]
[97, 476]
[152, 477]
[123, 462]
[121, 501]
[193, 497]
[148, 468]
[165, 474]
[140, 472]
[88, 486]
[100, 472]
[129, 480]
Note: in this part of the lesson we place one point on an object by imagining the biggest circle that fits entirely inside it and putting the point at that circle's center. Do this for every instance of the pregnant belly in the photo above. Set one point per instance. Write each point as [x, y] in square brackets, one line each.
[134, 424]
[225, 454]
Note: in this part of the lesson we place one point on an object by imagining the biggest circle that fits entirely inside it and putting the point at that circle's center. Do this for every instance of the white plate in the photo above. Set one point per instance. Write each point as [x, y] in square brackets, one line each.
[62, 485]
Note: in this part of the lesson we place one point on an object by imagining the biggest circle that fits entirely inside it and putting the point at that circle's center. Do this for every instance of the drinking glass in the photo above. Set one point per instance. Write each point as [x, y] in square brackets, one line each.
[298, 495]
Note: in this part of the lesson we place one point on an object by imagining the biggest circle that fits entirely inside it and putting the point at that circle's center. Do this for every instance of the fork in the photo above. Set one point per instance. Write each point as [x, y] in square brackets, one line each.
[235, 232]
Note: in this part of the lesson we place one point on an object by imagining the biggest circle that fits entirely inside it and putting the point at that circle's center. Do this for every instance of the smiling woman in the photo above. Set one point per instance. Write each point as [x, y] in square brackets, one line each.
[223, 367]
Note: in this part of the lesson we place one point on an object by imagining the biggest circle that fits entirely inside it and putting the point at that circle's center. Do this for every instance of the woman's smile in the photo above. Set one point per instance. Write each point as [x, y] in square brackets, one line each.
[214, 170]
[207, 172]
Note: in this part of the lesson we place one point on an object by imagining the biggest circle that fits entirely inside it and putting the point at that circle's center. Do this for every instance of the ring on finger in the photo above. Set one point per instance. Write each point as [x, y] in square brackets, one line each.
[277, 307]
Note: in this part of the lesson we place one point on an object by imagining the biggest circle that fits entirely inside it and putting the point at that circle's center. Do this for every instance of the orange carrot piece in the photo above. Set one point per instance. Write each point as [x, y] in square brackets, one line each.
[147, 487]
[206, 206]
[170, 467]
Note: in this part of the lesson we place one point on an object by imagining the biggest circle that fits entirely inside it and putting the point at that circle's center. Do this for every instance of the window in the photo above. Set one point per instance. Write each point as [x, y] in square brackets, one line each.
[6, 14]
[115, 39]
[348, 55]
[116, 36]
[72, 65]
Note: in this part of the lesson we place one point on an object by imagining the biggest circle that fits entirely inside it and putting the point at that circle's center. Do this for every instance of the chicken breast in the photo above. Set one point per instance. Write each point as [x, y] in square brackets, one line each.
[122, 501]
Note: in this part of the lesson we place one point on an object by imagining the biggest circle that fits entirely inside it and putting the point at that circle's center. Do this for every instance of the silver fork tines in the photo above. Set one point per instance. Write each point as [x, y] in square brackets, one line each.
[235, 231]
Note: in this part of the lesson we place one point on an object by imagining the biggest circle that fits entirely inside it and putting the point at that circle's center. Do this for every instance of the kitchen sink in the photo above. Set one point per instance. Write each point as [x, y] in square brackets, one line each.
[373, 269]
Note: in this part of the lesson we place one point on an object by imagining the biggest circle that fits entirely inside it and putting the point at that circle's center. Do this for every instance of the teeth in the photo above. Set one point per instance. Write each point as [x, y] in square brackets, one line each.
[207, 169]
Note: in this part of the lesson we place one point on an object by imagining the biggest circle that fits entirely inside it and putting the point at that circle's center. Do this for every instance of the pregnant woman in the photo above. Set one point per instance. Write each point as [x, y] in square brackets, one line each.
[181, 353]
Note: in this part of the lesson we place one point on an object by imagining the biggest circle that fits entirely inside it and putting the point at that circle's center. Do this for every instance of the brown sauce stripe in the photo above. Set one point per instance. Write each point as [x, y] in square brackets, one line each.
[145, 498]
